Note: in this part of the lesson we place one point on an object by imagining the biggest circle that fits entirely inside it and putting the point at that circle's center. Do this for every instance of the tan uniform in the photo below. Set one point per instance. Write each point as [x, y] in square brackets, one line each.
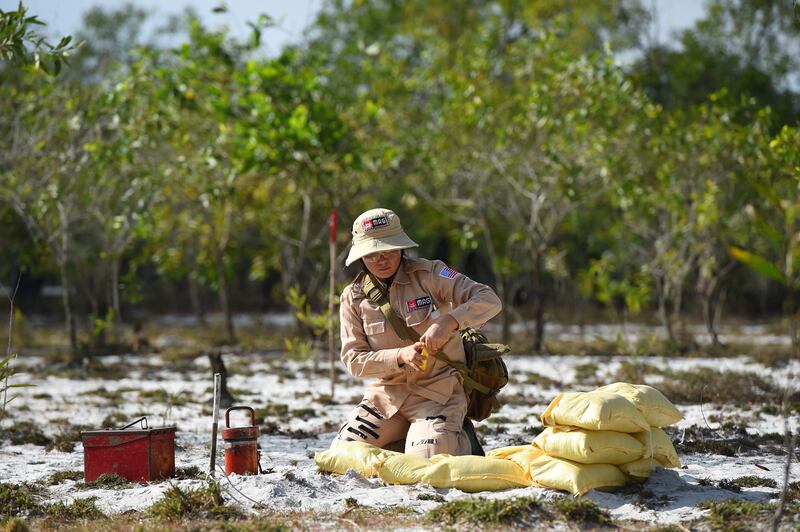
[429, 405]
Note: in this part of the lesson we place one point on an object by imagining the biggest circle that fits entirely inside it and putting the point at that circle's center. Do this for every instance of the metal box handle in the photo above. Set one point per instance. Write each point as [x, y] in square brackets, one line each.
[228, 415]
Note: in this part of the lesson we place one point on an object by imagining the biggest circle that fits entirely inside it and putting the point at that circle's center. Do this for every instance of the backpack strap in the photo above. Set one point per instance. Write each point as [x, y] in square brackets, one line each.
[375, 293]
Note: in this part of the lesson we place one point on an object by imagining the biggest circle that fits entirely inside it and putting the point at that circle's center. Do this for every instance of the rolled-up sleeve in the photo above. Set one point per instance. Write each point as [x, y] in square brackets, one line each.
[473, 303]
[357, 355]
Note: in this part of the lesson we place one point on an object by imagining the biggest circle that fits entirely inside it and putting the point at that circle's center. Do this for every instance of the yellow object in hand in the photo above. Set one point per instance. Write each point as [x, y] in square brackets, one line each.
[425, 359]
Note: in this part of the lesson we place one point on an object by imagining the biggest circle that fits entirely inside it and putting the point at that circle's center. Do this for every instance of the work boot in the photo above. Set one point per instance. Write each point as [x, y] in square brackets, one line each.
[475, 445]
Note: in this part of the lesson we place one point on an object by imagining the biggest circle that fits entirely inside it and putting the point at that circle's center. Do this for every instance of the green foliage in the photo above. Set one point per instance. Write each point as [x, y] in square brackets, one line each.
[79, 509]
[485, 511]
[205, 502]
[17, 34]
[582, 511]
[17, 500]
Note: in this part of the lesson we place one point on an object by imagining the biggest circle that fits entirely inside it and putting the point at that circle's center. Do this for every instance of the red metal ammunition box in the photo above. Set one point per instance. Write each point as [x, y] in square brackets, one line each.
[137, 455]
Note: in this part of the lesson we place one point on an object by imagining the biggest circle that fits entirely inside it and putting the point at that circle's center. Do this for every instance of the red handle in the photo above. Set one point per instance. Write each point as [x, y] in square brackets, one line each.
[228, 415]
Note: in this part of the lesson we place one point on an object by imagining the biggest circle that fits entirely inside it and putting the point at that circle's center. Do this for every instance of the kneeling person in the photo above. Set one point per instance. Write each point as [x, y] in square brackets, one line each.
[414, 398]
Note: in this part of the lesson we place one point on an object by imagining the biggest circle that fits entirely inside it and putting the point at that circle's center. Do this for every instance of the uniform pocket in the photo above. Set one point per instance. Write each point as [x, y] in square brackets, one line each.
[418, 316]
[374, 327]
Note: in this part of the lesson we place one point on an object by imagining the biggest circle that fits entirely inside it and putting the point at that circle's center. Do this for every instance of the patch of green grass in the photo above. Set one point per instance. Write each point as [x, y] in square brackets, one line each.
[79, 509]
[752, 481]
[540, 380]
[707, 385]
[303, 413]
[66, 438]
[109, 481]
[205, 502]
[734, 514]
[499, 419]
[189, 473]
[486, 511]
[325, 399]
[42, 396]
[634, 371]
[18, 500]
[60, 476]
[435, 497]
[24, 432]
[274, 409]
[586, 372]
[582, 511]
[728, 440]
[162, 396]
[16, 524]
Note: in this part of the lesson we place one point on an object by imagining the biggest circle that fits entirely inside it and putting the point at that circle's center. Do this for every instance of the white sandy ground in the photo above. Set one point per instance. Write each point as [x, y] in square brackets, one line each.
[293, 481]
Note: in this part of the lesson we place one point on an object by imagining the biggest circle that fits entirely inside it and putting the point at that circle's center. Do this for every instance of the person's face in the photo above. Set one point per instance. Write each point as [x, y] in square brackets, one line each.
[383, 265]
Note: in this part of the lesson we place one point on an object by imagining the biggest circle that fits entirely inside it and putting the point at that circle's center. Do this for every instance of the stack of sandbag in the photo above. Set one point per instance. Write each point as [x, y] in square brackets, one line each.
[600, 438]
[593, 440]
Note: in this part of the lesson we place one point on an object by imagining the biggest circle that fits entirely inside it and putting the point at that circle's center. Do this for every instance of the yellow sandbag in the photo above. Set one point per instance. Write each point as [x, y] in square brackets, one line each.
[474, 473]
[355, 455]
[467, 473]
[594, 411]
[560, 474]
[659, 446]
[404, 469]
[522, 455]
[639, 468]
[590, 446]
[656, 409]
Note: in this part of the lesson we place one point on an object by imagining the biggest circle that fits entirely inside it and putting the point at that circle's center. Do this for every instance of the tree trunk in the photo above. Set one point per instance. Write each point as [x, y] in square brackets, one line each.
[663, 312]
[115, 291]
[222, 292]
[194, 298]
[69, 318]
[218, 366]
[538, 304]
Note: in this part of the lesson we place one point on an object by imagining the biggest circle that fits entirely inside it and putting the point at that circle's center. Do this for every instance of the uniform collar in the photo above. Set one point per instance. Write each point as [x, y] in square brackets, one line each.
[401, 277]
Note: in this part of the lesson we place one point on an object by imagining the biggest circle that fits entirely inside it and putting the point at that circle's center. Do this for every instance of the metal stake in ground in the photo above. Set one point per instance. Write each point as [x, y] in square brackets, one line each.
[217, 386]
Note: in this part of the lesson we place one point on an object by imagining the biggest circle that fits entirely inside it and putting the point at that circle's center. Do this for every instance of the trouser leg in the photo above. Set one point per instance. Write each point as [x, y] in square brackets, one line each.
[366, 424]
[436, 428]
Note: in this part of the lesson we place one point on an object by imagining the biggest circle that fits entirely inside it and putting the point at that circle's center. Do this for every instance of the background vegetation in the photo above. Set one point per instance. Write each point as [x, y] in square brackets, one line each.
[552, 149]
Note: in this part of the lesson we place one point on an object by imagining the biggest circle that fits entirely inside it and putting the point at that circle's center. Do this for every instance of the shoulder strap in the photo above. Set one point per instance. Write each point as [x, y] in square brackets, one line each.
[375, 293]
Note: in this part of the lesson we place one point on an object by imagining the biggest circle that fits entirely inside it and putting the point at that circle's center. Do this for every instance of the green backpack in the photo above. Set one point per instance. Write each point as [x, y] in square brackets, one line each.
[484, 373]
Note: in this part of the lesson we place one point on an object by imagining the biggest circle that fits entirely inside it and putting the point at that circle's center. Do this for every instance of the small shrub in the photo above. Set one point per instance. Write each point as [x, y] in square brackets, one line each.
[303, 413]
[114, 420]
[275, 409]
[203, 503]
[17, 524]
[60, 476]
[583, 511]
[540, 380]
[189, 473]
[586, 372]
[752, 481]
[79, 509]
[17, 500]
[709, 385]
[491, 511]
[736, 514]
[109, 481]
[26, 432]
[435, 497]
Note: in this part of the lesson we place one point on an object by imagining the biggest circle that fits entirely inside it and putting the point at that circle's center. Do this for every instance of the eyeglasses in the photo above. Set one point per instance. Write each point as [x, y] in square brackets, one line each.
[375, 257]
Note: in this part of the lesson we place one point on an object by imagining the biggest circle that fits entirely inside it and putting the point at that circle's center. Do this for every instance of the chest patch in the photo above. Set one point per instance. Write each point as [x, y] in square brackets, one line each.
[418, 303]
[448, 273]
[375, 223]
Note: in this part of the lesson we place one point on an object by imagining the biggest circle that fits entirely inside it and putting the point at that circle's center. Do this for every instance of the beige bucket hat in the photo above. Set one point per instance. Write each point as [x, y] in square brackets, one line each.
[377, 230]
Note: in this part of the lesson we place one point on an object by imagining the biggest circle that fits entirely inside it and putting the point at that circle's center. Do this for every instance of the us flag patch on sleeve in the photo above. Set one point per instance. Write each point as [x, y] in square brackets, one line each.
[448, 273]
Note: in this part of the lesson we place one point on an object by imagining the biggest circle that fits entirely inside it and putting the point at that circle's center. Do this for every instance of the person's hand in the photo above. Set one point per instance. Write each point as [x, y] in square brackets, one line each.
[411, 355]
[439, 333]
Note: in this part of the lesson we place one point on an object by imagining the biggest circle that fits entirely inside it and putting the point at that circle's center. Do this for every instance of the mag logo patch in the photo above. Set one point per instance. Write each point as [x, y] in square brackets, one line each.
[375, 223]
[418, 303]
[448, 273]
